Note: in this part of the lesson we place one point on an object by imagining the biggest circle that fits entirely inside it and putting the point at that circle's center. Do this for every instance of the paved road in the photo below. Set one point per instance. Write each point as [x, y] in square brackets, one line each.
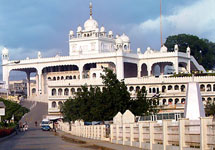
[36, 139]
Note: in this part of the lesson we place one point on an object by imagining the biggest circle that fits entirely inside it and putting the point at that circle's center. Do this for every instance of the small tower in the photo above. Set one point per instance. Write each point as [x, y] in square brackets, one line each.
[5, 55]
[176, 48]
[188, 51]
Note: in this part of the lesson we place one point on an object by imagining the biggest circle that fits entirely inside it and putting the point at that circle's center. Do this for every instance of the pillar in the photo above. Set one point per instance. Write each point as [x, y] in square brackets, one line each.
[176, 66]
[149, 69]
[189, 66]
[182, 133]
[151, 129]
[120, 68]
[28, 83]
[39, 81]
[81, 72]
[6, 74]
[139, 71]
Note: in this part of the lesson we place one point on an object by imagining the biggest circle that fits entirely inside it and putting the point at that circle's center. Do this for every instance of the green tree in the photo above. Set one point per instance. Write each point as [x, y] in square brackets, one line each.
[143, 105]
[210, 108]
[202, 49]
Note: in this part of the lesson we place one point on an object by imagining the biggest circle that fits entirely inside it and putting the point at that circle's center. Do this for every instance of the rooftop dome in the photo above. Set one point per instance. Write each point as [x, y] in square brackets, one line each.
[79, 29]
[71, 32]
[110, 33]
[125, 38]
[90, 24]
[119, 40]
[5, 51]
[163, 49]
[102, 29]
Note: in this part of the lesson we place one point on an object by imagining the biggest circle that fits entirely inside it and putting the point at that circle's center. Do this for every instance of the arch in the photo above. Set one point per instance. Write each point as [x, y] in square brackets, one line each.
[209, 99]
[54, 92]
[183, 101]
[170, 87]
[94, 75]
[163, 89]
[79, 90]
[203, 99]
[67, 77]
[74, 77]
[182, 88]
[143, 88]
[54, 78]
[150, 90]
[72, 90]
[183, 67]
[176, 87]
[70, 77]
[137, 89]
[170, 101]
[131, 88]
[176, 100]
[209, 88]
[33, 90]
[49, 78]
[60, 91]
[60, 103]
[130, 70]
[164, 101]
[156, 69]
[54, 104]
[144, 71]
[66, 91]
[62, 77]
[58, 78]
[153, 90]
[60, 68]
[202, 87]
[214, 87]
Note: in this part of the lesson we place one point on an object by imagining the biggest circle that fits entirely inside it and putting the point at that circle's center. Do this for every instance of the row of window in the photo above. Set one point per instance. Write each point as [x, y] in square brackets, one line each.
[71, 77]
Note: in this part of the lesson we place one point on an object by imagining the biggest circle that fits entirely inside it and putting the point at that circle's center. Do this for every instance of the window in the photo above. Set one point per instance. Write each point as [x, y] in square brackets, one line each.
[60, 91]
[53, 92]
[66, 91]
[53, 104]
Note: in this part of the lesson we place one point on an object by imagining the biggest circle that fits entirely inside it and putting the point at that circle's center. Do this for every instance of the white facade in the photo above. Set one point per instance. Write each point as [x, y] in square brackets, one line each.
[90, 49]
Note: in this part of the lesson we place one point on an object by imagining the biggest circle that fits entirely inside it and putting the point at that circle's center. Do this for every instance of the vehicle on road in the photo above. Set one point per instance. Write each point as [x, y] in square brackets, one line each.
[45, 125]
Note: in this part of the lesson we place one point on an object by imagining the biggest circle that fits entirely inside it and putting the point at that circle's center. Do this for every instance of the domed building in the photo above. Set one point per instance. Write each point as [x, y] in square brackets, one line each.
[91, 49]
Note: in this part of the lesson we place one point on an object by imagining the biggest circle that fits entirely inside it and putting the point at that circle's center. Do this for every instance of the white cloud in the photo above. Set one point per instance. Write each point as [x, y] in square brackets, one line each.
[197, 19]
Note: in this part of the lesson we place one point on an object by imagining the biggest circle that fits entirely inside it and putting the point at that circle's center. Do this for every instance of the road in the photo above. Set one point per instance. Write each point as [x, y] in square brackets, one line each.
[36, 139]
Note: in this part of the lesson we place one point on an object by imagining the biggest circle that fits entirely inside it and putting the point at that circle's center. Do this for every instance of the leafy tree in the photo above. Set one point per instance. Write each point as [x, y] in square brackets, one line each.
[94, 104]
[143, 105]
[202, 49]
[13, 108]
[210, 108]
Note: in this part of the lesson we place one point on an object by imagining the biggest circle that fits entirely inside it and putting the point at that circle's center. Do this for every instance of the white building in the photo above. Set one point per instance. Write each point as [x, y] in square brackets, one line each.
[90, 49]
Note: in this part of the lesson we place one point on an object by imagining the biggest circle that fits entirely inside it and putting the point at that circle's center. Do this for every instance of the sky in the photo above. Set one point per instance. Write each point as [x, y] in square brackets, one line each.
[29, 26]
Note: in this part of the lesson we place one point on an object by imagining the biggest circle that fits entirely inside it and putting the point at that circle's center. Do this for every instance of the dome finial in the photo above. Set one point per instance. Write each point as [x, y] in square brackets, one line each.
[91, 6]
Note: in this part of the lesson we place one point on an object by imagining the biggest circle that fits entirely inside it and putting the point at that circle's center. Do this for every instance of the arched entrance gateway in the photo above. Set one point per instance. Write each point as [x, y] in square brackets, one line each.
[162, 68]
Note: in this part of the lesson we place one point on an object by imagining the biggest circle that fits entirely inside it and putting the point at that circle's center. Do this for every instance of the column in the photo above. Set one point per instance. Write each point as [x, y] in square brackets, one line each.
[139, 71]
[176, 66]
[120, 68]
[6, 74]
[28, 83]
[39, 81]
[149, 69]
[81, 72]
[188, 66]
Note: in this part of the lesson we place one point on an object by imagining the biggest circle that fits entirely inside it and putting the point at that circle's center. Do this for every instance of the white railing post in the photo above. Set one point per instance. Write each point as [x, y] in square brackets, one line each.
[123, 134]
[165, 134]
[117, 133]
[182, 133]
[151, 133]
[203, 132]
[140, 134]
[131, 134]
[111, 132]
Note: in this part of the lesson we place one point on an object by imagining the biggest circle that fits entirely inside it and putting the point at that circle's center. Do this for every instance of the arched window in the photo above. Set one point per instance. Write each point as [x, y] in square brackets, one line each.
[170, 87]
[53, 92]
[58, 78]
[62, 77]
[163, 89]
[164, 101]
[67, 77]
[208, 87]
[143, 88]
[176, 87]
[202, 87]
[60, 91]
[170, 101]
[94, 75]
[183, 88]
[183, 100]
[79, 90]
[176, 100]
[131, 88]
[74, 77]
[157, 90]
[60, 104]
[66, 91]
[72, 90]
[137, 88]
[54, 78]
[150, 90]
[153, 90]
[54, 104]
[203, 99]
[49, 78]
[33, 91]
[214, 87]
[70, 77]
[209, 99]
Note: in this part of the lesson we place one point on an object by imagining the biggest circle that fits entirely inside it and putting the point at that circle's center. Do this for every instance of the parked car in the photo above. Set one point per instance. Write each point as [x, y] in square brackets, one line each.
[45, 125]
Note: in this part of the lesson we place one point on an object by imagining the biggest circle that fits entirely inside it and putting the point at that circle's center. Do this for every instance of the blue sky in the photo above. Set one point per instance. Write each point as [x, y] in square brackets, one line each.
[28, 26]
